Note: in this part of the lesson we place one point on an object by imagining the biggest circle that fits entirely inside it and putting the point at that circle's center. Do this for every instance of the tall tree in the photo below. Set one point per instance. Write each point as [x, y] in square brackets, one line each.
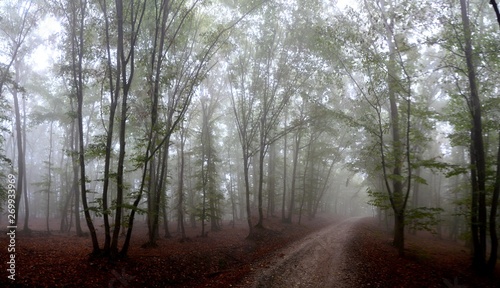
[472, 119]
[390, 86]
[18, 22]
[478, 172]
[496, 190]
[209, 162]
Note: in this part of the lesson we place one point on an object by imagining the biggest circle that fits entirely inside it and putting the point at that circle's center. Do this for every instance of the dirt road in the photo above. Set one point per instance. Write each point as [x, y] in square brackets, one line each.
[316, 261]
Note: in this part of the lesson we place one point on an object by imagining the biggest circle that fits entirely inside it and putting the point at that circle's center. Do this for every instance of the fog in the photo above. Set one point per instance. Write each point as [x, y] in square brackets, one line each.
[194, 113]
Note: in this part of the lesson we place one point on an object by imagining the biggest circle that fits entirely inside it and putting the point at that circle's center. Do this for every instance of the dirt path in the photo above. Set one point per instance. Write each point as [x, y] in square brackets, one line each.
[316, 261]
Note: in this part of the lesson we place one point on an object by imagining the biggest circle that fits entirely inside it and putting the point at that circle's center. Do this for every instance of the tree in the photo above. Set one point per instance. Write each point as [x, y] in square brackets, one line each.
[385, 75]
[75, 15]
[478, 163]
[242, 106]
[18, 22]
[209, 161]
[473, 120]
[180, 189]
[496, 191]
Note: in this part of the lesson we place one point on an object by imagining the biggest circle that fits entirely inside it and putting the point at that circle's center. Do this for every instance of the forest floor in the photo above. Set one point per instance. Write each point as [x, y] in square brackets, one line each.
[362, 257]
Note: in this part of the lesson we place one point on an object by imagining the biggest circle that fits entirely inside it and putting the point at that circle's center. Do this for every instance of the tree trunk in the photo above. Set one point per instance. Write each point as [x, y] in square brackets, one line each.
[49, 176]
[493, 216]
[398, 197]
[262, 153]
[109, 133]
[180, 188]
[21, 160]
[77, 45]
[478, 160]
[247, 191]
[65, 198]
[75, 190]
[164, 206]
[26, 228]
[304, 182]
[399, 232]
[296, 149]
[285, 149]
[271, 182]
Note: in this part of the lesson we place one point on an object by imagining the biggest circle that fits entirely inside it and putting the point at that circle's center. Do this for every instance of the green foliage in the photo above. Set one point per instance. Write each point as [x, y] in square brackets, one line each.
[378, 199]
[5, 162]
[96, 149]
[138, 210]
[98, 207]
[213, 214]
[423, 218]
[457, 170]
[431, 164]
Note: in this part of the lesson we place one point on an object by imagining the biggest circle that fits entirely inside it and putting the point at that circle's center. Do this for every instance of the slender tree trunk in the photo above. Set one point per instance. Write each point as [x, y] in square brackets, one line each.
[283, 202]
[162, 198]
[260, 222]
[180, 189]
[246, 158]
[304, 182]
[255, 177]
[416, 194]
[78, 72]
[398, 197]
[26, 228]
[271, 182]
[164, 206]
[296, 149]
[121, 77]
[191, 195]
[477, 151]
[495, 8]
[49, 176]
[493, 216]
[21, 160]
[230, 189]
[75, 188]
[125, 67]
[65, 198]
[109, 133]
[496, 192]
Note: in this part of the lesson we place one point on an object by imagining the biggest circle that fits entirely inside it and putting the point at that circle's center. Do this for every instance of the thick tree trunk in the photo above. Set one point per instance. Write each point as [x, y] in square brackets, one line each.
[399, 232]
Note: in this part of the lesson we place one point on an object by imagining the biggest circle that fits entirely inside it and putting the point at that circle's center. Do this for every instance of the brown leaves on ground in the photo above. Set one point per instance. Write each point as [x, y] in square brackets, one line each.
[219, 260]
[224, 258]
[429, 261]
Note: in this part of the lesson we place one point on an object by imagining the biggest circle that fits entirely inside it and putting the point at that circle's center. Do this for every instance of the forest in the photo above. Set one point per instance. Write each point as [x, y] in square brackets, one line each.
[125, 123]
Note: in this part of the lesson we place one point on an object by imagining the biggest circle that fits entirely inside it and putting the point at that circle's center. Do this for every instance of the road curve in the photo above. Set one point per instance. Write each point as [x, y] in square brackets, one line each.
[316, 261]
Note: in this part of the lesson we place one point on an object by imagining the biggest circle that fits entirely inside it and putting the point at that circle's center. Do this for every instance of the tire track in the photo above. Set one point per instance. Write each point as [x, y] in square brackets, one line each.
[316, 261]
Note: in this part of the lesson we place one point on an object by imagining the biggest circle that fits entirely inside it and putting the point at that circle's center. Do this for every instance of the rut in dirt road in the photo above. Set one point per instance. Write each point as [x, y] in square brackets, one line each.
[316, 261]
